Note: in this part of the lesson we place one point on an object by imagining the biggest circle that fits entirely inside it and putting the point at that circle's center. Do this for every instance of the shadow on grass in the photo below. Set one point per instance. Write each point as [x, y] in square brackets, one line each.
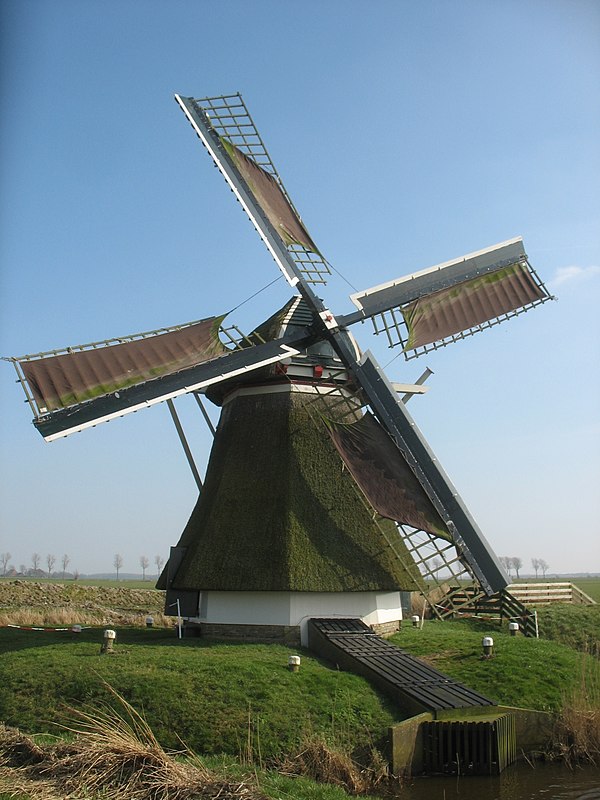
[14, 639]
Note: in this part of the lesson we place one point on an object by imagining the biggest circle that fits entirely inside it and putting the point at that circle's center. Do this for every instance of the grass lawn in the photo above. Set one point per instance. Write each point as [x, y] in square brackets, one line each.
[576, 626]
[222, 698]
[217, 698]
[232, 702]
[530, 673]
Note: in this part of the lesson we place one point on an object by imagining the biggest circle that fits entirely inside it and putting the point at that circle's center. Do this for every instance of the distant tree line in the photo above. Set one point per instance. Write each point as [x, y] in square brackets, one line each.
[539, 564]
[144, 564]
[511, 563]
[36, 571]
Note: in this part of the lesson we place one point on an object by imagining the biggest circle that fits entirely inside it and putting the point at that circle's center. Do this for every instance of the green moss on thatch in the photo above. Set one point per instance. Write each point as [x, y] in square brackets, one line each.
[279, 513]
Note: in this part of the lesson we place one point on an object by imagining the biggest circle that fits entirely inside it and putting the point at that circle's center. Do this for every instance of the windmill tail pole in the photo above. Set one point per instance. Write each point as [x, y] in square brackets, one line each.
[419, 382]
[184, 443]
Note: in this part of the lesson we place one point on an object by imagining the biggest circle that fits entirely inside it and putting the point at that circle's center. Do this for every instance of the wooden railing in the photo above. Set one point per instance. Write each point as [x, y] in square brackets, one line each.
[513, 609]
[546, 593]
[502, 606]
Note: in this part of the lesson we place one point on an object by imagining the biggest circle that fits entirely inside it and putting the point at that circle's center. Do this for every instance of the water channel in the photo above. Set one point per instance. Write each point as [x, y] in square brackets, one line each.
[519, 782]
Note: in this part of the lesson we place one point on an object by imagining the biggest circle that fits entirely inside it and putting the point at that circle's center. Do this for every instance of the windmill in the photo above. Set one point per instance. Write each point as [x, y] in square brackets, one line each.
[321, 496]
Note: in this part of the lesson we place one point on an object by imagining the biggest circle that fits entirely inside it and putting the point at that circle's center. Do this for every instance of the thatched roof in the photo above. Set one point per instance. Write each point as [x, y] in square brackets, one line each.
[279, 513]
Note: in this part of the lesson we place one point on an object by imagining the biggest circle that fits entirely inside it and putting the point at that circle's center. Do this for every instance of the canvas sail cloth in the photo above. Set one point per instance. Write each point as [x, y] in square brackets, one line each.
[271, 199]
[383, 475]
[61, 381]
[447, 312]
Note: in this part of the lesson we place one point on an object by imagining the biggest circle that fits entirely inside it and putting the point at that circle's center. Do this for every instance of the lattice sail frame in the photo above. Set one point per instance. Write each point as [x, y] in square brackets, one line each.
[241, 356]
[445, 573]
[232, 121]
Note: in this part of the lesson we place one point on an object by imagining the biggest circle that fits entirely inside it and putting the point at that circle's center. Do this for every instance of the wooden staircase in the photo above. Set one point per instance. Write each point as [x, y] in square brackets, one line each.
[471, 601]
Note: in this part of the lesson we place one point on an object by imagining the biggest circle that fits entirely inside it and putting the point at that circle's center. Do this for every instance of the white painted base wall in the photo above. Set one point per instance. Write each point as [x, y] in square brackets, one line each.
[296, 608]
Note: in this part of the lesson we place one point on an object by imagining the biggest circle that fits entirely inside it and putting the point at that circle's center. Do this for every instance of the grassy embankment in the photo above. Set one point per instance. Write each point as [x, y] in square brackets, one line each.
[573, 625]
[240, 702]
[52, 603]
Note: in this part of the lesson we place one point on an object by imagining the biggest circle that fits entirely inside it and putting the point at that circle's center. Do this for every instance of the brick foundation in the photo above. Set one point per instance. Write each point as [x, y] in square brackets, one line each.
[386, 628]
[276, 634]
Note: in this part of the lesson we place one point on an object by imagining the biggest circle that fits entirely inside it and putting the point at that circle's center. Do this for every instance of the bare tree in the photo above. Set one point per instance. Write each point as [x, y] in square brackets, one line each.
[506, 563]
[436, 565]
[543, 566]
[159, 564]
[65, 561]
[35, 562]
[118, 563]
[4, 559]
[535, 563]
[144, 562]
[75, 574]
[50, 561]
[517, 564]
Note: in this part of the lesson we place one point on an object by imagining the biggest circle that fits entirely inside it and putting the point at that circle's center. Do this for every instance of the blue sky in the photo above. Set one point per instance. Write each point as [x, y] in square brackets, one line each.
[407, 133]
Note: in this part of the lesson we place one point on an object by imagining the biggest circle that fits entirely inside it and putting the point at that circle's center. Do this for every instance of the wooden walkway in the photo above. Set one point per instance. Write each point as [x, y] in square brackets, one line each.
[415, 685]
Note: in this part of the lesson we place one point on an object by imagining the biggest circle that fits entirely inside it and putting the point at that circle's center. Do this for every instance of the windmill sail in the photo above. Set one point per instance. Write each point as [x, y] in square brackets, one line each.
[63, 380]
[469, 304]
[227, 130]
[84, 386]
[454, 299]
[465, 533]
[383, 475]
[269, 195]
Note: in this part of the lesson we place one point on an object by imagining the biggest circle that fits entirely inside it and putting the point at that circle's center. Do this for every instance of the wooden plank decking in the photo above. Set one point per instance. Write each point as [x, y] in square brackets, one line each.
[414, 684]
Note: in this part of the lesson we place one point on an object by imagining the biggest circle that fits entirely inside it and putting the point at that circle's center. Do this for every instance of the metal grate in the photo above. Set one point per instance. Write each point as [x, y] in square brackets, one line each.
[231, 120]
[391, 323]
[470, 747]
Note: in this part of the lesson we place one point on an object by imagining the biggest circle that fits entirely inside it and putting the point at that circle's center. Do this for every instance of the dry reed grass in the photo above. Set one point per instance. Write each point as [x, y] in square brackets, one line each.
[318, 761]
[114, 756]
[576, 736]
[324, 765]
[66, 616]
[29, 603]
